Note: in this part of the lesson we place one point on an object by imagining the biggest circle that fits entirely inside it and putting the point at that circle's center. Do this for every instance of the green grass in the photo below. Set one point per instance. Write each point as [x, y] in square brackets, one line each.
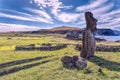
[54, 70]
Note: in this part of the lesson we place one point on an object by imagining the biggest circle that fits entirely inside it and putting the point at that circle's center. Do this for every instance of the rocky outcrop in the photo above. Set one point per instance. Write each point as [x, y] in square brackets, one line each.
[74, 62]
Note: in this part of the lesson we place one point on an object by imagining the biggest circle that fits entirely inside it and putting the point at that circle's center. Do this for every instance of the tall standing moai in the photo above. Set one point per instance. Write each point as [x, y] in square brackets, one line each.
[88, 43]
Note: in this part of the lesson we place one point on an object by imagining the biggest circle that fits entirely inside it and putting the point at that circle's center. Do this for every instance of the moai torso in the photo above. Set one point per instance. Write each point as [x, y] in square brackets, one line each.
[88, 44]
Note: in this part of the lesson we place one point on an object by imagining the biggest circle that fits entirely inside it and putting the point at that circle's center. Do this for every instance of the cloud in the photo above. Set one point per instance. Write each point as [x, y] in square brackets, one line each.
[68, 17]
[111, 23]
[4, 27]
[15, 17]
[93, 5]
[41, 13]
[111, 15]
[110, 20]
[27, 17]
[101, 10]
[51, 11]
[55, 6]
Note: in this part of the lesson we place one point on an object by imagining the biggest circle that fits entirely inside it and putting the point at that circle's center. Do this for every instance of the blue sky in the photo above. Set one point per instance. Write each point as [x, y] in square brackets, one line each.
[27, 15]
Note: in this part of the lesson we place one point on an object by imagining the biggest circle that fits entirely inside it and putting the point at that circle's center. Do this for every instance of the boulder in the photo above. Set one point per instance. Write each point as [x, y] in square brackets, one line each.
[74, 62]
[75, 58]
[81, 63]
[67, 62]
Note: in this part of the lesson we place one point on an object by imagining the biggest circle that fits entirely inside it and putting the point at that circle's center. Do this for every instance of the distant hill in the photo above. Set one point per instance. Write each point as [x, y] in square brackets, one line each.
[62, 28]
[58, 30]
[117, 32]
[67, 29]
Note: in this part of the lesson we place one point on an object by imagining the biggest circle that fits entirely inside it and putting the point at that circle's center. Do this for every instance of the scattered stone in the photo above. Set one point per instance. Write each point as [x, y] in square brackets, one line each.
[67, 62]
[81, 63]
[75, 58]
[74, 62]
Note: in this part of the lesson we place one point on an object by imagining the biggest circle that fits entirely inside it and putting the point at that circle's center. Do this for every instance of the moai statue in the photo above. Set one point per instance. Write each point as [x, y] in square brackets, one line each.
[88, 43]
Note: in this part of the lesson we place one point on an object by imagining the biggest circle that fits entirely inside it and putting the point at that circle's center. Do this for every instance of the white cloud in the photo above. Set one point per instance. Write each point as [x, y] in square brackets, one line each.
[55, 6]
[103, 9]
[27, 17]
[109, 16]
[111, 23]
[41, 13]
[100, 8]
[68, 17]
[4, 27]
[93, 5]
[110, 20]
[15, 17]
[57, 10]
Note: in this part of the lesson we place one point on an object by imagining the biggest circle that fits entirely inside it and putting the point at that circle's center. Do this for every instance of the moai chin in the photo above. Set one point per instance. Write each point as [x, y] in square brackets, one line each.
[88, 43]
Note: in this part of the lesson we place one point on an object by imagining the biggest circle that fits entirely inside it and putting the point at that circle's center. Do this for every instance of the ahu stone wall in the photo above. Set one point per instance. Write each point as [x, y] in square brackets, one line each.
[104, 48]
[43, 47]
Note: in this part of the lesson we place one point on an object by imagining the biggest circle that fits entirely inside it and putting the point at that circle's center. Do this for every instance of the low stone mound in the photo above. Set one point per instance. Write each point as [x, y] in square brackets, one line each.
[74, 62]
[43, 47]
[104, 48]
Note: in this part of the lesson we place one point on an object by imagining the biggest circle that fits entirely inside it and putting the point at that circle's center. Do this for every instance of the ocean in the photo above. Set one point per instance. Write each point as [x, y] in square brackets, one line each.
[109, 38]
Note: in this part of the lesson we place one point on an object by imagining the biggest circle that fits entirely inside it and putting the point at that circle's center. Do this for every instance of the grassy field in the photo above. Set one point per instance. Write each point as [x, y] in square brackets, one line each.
[53, 70]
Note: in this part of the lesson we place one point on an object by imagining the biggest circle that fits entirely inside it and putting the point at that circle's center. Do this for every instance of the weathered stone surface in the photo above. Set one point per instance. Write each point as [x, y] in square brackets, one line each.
[104, 48]
[75, 61]
[67, 62]
[81, 63]
[75, 58]
[88, 43]
[44, 47]
[66, 59]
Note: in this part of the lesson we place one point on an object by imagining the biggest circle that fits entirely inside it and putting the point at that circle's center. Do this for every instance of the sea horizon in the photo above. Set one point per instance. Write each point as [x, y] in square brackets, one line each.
[109, 38]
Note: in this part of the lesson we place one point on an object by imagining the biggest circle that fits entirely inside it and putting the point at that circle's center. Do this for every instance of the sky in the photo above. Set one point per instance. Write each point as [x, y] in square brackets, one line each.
[30, 15]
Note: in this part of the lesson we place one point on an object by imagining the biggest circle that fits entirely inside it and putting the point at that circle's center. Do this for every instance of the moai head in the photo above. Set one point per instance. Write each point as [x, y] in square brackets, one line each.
[91, 22]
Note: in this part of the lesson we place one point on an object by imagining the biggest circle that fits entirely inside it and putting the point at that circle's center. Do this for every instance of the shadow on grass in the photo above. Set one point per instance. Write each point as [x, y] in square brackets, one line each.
[15, 69]
[17, 62]
[113, 66]
[18, 68]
